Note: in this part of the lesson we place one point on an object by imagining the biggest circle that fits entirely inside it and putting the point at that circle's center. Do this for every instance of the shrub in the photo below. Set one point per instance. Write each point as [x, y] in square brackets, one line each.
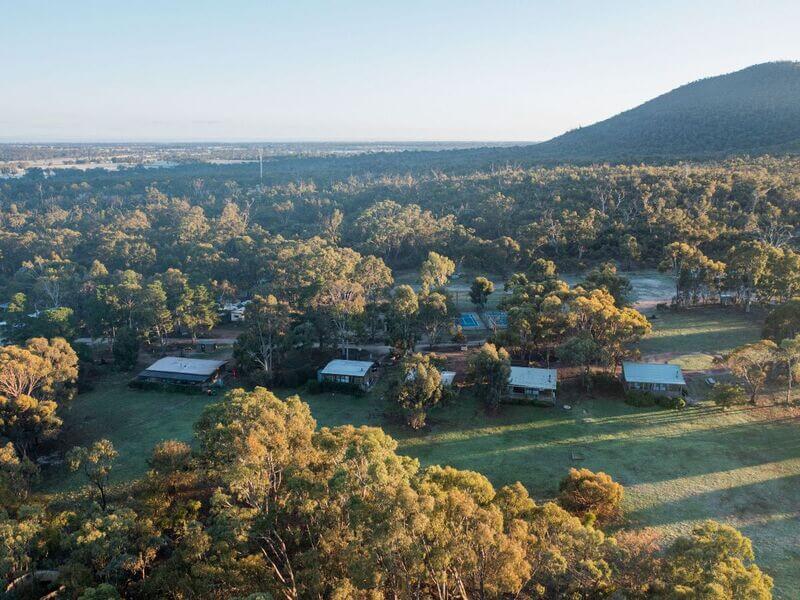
[126, 349]
[322, 387]
[295, 377]
[671, 402]
[588, 494]
[639, 398]
[726, 394]
[609, 383]
[642, 398]
[168, 387]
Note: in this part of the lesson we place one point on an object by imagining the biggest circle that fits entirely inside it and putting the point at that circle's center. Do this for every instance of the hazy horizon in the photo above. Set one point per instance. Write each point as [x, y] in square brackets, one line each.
[194, 72]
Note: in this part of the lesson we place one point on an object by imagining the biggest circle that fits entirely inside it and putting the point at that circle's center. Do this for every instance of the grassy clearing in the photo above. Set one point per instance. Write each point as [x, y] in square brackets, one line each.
[133, 420]
[691, 338]
[678, 468]
[741, 466]
[650, 287]
[136, 420]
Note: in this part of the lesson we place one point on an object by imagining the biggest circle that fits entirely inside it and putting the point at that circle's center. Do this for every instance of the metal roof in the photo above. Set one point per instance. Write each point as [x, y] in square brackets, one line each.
[353, 368]
[448, 377]
[530, 377]
[184, 366]
[652, 373]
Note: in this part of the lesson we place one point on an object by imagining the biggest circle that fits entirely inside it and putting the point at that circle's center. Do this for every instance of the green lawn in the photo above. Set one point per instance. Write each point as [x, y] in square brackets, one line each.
[691, 338]
[678, 468]
[649, 287]
[136, 420]
[741, 466]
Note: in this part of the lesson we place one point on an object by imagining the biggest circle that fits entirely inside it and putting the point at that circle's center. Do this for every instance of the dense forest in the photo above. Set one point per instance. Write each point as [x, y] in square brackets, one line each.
[90, 257]
[210, 221]
[752, 111]
[267, 505]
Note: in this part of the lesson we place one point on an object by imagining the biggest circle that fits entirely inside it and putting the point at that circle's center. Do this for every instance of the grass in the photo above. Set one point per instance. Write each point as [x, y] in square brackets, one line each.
[679, 468]
[741, 466]
[691, 338]
[650, 286]
[136, 420]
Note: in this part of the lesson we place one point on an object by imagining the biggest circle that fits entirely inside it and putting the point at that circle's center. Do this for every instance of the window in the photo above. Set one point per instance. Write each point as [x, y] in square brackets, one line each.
[518, 389]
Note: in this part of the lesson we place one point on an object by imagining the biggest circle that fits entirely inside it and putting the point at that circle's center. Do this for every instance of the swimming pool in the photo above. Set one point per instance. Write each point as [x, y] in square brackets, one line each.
[497, 318]
[469, 321]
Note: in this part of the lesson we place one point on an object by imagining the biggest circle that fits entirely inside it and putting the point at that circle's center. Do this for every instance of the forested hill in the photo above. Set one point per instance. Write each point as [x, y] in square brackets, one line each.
[752, 111]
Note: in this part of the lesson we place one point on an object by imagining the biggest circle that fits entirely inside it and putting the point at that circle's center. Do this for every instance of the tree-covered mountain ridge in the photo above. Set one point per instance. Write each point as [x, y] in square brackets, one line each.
[752, 111]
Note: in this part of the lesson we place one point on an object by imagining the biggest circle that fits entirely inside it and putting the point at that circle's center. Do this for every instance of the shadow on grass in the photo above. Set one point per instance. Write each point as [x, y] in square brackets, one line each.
[709, 340]
[639, 453]
[518, 420]
[763, 499]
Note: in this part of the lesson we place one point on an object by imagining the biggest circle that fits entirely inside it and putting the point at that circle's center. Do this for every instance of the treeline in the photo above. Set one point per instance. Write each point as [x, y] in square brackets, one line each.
[115, 254]
[752, 111]
[269, 506]
[212, 223]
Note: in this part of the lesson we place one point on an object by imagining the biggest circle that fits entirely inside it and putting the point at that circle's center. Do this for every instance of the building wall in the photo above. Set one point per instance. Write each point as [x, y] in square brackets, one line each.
[533, 394]
[215, 377]
[362, 382]
[663, 389]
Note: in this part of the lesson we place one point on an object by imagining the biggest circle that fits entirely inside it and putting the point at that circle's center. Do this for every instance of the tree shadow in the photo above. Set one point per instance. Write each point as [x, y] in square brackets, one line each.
[771, 498]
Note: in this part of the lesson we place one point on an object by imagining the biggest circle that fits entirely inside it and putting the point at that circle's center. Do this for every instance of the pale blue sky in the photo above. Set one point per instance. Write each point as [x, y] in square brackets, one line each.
[361, 70]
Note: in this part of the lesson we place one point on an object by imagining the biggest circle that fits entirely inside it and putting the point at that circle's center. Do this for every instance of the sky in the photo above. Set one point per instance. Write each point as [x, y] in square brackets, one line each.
[373, 70]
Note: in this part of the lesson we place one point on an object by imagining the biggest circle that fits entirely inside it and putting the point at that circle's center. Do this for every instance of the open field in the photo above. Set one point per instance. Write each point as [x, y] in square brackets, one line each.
[691, 338]
[650, 287]
[741, 466]
[136, 420]
[678, 468]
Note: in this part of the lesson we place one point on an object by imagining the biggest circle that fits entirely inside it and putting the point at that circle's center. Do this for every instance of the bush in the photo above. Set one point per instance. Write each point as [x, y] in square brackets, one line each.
[126, 349]
[295, 377]
[608, 383]
[642, 398]
[726, 394]
[322, 387]
[588, 494]
[168, 387]
[290, 378]
[676, 403]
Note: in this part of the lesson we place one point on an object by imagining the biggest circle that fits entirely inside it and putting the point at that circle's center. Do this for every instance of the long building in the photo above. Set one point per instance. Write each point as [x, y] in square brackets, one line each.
[533, 384]
[659, 378]
[183, 371]
[361, 373]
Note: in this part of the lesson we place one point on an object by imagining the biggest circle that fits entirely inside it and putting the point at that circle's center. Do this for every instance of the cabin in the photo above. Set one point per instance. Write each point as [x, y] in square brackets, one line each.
[447, 377]
[184, 371]
[532, 384]
[233, 311]
[659, 378]
[361, 373]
